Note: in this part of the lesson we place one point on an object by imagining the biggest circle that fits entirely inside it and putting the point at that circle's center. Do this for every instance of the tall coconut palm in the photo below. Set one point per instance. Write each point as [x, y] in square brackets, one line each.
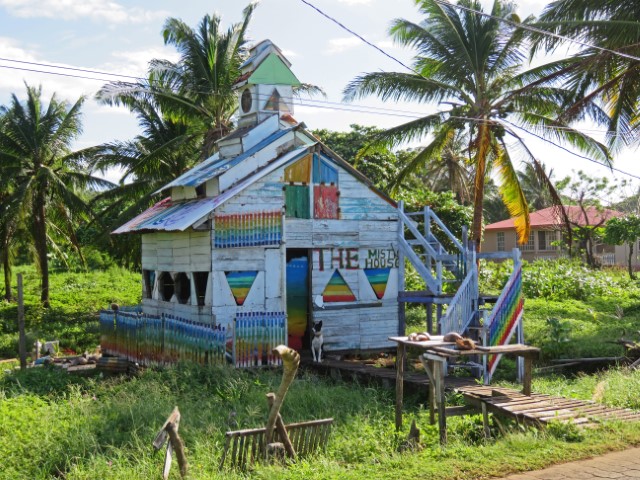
[609, 72]
[197, 89]
[161, 153]
[471, 65]
[45, 175]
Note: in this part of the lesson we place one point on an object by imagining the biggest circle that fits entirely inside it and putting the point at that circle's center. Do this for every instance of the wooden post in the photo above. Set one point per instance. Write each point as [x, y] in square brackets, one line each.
[281, 429]
[442, 416]
[22, 343]
[401, 280]
[400, 358]
[526, 378]
[170, 431]
[438, 318]
[429, 307]
[485, 420]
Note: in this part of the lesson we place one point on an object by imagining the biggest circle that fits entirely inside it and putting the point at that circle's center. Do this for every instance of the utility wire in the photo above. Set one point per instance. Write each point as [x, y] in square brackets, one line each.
[530, 28]
[76, 69]
[341, 25]
[323, 104]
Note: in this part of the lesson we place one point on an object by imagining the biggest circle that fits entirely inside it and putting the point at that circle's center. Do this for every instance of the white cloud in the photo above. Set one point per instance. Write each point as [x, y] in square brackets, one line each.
[385, 44]
[290, 53]
[136, 62]
[355, 2]
[14, 74]
[338, 45]
[98, 10]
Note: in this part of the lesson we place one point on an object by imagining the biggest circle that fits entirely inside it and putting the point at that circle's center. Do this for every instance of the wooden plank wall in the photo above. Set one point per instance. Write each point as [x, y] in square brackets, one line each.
[173, 252]
[367, 228]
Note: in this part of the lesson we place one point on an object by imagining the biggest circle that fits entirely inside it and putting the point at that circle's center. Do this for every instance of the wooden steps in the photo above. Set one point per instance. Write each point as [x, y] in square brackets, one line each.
[539, 409]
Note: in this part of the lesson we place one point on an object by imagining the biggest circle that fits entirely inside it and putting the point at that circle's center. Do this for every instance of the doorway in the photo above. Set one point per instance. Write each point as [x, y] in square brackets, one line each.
[297, 296]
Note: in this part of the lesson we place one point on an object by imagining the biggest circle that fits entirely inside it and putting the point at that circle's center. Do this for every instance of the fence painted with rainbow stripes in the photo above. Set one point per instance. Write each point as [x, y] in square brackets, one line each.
[160, 340]
[506, 315]
[255, 334]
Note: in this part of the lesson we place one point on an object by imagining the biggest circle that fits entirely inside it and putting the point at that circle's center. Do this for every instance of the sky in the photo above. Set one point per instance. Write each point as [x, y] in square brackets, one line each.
[121, 36]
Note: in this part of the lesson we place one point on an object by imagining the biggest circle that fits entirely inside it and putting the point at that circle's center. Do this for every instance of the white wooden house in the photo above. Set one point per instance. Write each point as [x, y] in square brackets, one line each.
[274, 223]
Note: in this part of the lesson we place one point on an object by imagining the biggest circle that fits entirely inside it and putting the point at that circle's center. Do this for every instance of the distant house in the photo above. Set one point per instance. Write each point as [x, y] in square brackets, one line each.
[545, 236]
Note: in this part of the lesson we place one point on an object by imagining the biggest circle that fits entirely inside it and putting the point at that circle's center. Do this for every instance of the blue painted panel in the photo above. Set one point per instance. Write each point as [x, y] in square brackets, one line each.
[323, 172]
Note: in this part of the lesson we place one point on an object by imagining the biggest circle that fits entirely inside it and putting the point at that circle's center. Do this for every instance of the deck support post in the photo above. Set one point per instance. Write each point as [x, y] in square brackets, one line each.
[400, 361]
[526, 378]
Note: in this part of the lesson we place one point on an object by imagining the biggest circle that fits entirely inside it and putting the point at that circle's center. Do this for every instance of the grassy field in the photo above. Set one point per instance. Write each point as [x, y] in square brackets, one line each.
[58, 426]
[76, 299]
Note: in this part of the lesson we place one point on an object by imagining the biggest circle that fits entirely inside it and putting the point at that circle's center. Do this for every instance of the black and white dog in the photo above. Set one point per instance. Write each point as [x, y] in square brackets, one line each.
[316, 342]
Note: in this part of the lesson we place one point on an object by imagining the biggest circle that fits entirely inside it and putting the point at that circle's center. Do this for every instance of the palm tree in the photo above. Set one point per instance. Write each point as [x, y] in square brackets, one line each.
[44, 174]
[535, 191]
[161, 153]
[197, 89]
[608, 72]
[470, 65]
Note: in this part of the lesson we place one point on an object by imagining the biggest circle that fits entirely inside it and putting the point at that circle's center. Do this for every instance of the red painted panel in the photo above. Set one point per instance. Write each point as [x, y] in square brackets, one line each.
[325, 201]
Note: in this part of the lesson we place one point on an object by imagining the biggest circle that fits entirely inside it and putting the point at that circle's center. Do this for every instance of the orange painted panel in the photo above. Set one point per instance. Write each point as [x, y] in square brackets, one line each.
[299, 172]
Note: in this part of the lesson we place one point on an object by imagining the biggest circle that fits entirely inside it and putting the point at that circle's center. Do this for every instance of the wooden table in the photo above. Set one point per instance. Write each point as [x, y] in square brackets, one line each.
[436, 353]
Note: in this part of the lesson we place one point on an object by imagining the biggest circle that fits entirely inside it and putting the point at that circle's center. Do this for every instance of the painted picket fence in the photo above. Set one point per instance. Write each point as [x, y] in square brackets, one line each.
[160, 340]
[255, 335]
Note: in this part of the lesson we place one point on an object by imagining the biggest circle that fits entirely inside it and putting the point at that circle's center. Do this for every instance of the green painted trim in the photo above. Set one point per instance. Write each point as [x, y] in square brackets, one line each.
[273, 71]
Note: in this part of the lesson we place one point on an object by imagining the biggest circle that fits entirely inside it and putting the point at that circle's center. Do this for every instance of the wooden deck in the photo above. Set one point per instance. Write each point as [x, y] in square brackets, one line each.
[539, 409]
[362, 372]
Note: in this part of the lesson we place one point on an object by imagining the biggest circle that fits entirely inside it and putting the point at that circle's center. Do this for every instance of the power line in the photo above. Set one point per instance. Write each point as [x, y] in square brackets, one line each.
[341, 25]
[537, 30]
[76, 69]
[322, 104]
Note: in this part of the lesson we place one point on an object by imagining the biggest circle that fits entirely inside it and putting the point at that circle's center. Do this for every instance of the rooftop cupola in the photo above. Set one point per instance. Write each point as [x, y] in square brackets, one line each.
[265, 86]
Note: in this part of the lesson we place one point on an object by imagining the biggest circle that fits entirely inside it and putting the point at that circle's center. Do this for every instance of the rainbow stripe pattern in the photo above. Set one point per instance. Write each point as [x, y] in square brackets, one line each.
[248, 229]
[506, 316]
[378, 279]
[240, 284]
[255, 335]
[337, 290]
[159, 340]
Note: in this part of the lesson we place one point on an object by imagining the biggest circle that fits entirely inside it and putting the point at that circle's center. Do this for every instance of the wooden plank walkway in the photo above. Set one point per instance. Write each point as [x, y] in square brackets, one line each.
[539, 409]
[362, 372]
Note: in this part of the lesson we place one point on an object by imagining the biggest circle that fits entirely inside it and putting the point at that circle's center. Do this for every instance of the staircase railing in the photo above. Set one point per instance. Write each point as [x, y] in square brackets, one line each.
[433, 257]
[463, 308]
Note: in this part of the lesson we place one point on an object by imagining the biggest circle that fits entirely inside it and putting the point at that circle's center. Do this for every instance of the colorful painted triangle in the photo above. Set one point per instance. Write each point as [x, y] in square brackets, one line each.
[337, 290]
[240, 284]
[378, 278]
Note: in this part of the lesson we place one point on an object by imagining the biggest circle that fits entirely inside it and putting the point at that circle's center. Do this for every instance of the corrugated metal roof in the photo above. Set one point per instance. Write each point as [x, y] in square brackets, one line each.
[178, 216]
[170, 216]
[213, 167]
[551, 218]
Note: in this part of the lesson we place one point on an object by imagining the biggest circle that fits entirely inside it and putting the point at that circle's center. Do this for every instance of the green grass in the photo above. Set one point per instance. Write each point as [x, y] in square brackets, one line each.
[55, 425]
[76, 299]
[59, 426]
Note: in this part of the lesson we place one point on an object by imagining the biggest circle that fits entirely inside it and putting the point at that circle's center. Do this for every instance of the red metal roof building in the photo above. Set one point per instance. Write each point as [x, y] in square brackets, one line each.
[545, 234]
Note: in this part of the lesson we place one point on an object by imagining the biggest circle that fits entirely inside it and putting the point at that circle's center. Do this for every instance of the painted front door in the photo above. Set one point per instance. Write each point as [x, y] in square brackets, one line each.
[297, 296]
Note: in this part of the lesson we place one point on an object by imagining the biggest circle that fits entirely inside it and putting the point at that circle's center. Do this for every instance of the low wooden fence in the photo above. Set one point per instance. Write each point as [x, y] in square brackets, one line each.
[159, 340]
[255, 335]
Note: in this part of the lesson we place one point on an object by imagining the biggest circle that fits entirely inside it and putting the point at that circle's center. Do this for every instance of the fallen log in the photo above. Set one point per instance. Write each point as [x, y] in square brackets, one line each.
[588, 360]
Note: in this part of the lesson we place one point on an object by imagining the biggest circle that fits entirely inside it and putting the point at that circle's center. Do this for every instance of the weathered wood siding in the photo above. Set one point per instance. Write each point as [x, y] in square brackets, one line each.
[363, 238]
[265, 294]
[176, 252]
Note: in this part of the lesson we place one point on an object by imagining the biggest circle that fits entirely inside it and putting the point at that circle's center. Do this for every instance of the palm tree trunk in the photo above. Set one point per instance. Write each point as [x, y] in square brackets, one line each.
[6, 264]
[631, 275]
[40, 240]
[482, 145]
